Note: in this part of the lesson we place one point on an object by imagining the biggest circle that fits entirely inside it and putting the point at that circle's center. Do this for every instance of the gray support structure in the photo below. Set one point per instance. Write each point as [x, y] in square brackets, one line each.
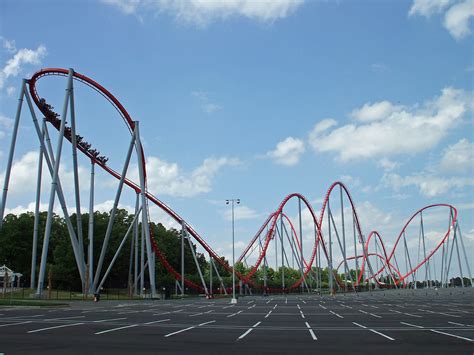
[11, 152]
[145, 224]
[182, 258]
[330, 274]
[301, 242]
[135, 237]
[112, 215]
[196, 261]
[464, 253]
[54, 185]
[91, 228]
[117, 252]
[49, 159]
[75, 171]
[37, 213]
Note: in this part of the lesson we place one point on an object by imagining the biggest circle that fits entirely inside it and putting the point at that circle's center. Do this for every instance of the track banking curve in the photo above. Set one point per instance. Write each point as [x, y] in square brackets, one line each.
[270, 223]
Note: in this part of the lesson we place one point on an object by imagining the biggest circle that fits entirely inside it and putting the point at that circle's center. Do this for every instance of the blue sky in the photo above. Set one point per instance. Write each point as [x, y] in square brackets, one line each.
[257, 100]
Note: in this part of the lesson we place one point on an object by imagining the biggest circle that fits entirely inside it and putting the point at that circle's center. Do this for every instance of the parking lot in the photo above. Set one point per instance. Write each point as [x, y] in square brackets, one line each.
[388, 321]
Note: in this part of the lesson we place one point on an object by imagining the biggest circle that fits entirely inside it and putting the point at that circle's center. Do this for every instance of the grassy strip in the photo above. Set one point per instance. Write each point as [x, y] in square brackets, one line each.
[31, 303]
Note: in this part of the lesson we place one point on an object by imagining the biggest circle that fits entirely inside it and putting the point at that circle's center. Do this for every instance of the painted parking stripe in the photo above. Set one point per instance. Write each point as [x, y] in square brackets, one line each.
[197, 314]
[18, 323]
[157, 321]
[58, 326]
[337, 315]
[115, 329]
[189, 328]
[413, 325]
[268, 314]
[249, 330]
[451, 335]
[382, 334]
[108, 320]
[322, 306]
[311, 331]
[373, 331]
[302, 315]
[179, 331]
[63, 318]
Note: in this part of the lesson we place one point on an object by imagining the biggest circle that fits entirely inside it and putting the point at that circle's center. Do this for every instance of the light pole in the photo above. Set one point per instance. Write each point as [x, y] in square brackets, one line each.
[232, 201]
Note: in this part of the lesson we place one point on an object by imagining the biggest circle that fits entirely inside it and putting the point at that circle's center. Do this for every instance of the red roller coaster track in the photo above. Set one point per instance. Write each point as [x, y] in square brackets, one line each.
[271, 221]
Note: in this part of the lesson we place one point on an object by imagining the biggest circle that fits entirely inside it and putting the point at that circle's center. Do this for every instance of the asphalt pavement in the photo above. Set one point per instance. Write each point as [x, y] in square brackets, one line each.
[384, 321]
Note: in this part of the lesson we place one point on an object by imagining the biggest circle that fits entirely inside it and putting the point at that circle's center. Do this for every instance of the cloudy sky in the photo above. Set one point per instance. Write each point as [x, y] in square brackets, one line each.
[256, 100]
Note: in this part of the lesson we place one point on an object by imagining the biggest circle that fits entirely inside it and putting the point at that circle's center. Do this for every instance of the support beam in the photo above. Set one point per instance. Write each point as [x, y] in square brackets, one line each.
[34, 248]
[54, 184]
[112, 215]
[145, 221]
[11, 152]
[91, 228]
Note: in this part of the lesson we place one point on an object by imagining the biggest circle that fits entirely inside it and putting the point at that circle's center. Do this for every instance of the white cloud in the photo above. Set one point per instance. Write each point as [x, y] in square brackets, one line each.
[14, 65]
[458, 157]
[287, 152]
[240, 213]
[9, 45]
[206, 105]
[203, 12]
[457, 14]
[429, 185]
[401, 130]
[375, 112]
[428, 7]
[457, 18]
[387, 164]
[11, 90]
[167, 179]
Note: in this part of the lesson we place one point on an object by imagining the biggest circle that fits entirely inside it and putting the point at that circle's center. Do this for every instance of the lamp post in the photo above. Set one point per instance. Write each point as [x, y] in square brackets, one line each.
[232, 202]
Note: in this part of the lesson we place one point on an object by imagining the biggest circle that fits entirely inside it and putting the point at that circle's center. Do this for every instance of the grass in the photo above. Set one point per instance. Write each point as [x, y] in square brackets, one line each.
[30, 303]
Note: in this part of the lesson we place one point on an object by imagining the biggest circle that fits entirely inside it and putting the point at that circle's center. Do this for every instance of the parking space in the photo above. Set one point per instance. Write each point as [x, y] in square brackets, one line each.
[390, 321]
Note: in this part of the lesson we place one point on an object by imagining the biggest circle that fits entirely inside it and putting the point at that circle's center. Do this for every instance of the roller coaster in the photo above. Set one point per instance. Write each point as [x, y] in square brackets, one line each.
[422, 252]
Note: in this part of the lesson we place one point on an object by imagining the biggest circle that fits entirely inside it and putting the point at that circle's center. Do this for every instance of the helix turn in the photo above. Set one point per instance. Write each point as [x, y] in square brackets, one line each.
[270, 225]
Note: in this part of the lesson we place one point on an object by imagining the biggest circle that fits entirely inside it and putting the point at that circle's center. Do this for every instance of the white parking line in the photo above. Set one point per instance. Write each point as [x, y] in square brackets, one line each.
[298, 306]
[451, 335]
[251, 307]
[157, 321]
[179, 331]
[463, 325]
[58, 326]
[211, 321]
[343, 305]
[286, 300]
[373, 331]
[375, 315]
[228, 306]
[275, 306]
[361, 311]
[209, 311]
[127, 312]
[303, 301]
[233, 314]
[311, 331]
[413, 325]
[268, 314]
[248, 331]
[197, 314]
[18, 323]
[337, 315]
[115, 329]
[302, 315]
[250, 302]
[108, 320]
[322, 306]
[382, 334]
[61, 318]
